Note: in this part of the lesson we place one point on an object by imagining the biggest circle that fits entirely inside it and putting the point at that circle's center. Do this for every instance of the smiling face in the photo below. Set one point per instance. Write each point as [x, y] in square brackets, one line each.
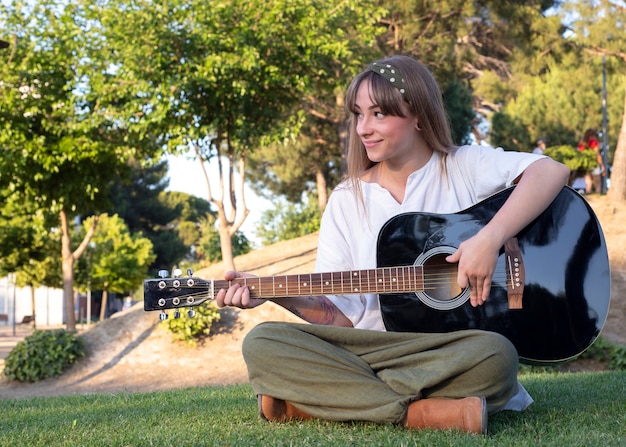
[386, 137]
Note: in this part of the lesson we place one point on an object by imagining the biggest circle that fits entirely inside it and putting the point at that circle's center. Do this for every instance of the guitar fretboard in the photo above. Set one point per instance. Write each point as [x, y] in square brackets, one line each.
[380, 280]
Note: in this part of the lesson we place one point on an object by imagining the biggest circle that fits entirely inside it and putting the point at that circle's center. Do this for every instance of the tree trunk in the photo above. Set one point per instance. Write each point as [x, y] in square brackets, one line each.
[343, 133]
[67, 265]
[617, 191]
[32, 303]
[322, 190]
[226, 242]
[67, 268]
[103, 306]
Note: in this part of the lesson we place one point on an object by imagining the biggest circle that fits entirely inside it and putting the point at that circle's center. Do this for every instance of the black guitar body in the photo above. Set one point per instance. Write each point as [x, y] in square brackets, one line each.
[566, 287]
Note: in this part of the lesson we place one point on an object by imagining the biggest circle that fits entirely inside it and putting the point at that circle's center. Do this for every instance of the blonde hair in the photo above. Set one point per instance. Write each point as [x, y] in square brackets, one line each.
[421, 95]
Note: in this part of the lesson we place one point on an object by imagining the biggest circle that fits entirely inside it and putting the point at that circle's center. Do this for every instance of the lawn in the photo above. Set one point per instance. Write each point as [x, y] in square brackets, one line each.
[582, 409]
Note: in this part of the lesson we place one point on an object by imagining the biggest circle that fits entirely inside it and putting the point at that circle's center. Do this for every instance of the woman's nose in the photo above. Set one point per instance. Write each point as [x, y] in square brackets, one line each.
[362, 126]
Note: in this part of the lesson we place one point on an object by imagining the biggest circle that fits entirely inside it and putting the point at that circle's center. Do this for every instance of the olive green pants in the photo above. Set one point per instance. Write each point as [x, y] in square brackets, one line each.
[347, 374]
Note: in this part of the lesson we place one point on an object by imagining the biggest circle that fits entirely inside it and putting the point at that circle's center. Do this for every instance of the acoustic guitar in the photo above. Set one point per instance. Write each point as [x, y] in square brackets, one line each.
[550, 292]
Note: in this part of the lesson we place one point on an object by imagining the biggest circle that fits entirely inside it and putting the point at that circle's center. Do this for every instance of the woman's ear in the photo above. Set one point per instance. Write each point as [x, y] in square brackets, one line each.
[417, 126]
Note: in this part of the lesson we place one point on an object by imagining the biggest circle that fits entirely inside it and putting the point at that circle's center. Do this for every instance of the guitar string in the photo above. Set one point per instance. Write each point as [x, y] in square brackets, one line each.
[432, 281]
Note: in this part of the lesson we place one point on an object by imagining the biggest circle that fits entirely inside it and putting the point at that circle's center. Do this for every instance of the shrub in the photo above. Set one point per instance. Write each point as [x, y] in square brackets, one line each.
[43, 354]
[575, 160]
[614, 355]
[190, 329]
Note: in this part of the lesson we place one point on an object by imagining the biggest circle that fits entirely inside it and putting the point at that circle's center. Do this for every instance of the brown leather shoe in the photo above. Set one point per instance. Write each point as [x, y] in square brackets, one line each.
[468, 414]
[278, 410]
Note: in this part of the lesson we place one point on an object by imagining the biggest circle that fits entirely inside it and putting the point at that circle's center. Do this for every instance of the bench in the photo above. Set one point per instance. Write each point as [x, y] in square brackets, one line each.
[27, 319]
[5, 318]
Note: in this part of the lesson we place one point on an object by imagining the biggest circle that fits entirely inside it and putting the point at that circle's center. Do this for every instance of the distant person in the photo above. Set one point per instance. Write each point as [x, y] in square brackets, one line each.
[593, 178]
[540, 146]
[343, 365]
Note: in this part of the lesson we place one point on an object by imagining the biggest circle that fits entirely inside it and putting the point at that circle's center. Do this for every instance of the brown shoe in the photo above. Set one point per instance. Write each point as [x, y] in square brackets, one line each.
[468, 414]
[278, 410]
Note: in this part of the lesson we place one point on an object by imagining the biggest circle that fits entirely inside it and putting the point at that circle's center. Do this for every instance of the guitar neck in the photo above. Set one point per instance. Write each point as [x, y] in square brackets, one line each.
[170, 293]
[380, 280]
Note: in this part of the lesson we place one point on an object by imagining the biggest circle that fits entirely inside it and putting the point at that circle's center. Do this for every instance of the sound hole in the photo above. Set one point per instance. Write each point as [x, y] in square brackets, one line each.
[440, 280]
[441, 290]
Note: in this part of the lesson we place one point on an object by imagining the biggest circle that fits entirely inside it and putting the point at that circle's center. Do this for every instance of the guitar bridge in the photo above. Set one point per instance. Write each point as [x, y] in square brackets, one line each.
[515, 272]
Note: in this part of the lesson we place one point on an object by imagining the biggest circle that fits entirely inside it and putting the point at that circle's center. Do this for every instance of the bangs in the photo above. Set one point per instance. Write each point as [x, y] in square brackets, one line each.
[382, 93]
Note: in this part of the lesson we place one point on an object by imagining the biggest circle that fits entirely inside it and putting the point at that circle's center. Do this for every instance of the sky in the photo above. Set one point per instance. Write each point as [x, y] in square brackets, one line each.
[186, 176]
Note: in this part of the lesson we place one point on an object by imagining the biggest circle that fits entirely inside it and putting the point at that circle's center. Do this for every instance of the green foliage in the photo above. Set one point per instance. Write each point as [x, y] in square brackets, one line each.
[27, 245]
[169, 219]
[191, 329]
[558, 105]
[458, 101]
[118, 260]
[509, 133]
[612, 354]
[288, 221]
[43, 354]
[575, 160]
[293, 167]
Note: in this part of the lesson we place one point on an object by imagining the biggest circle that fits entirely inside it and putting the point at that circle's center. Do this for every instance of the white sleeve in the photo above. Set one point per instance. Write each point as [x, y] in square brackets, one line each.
[338, 243]
[491, 169]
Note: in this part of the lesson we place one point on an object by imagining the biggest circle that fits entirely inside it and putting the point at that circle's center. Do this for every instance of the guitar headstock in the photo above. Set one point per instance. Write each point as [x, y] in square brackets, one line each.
[175, 292]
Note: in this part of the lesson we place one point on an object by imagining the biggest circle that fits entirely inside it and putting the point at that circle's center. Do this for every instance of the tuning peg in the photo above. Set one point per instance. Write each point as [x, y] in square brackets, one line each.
[163, 273]
[176, 273]
[191, 313]
[163, 316]
[189, 272]
[177, 313]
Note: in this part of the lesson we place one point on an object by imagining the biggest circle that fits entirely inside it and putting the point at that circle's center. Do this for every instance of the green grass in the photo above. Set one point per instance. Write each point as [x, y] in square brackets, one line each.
[582, 409]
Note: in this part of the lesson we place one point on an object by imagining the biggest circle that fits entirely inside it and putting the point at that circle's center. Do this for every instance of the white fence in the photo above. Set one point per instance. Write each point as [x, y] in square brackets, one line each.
[16, 303]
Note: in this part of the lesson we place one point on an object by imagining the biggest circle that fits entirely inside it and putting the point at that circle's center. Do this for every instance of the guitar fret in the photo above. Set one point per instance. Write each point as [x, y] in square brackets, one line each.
[394, 279]
[281, 285]
[326, 283]
[376, 281]
[403, 278]
[379, 280]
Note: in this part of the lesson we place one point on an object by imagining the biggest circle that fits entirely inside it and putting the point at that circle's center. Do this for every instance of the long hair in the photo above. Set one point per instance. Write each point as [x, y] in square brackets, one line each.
[423, 98]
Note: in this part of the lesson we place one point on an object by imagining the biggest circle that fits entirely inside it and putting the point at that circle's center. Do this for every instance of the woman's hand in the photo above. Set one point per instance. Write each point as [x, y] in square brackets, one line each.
[236, 295]
[476, 259]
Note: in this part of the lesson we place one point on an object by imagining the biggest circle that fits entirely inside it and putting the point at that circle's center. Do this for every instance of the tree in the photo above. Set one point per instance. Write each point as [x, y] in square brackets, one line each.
[309, 162]
[57, 154]
[461, 42]
[599, 29]
[169, 219]
[559, 105]
[221, 78]
[120, 260]
[289, 221]
[207, 247]
[28, 247]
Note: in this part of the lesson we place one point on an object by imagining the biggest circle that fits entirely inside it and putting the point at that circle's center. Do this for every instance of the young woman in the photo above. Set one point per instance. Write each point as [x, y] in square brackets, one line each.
[344, 365]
